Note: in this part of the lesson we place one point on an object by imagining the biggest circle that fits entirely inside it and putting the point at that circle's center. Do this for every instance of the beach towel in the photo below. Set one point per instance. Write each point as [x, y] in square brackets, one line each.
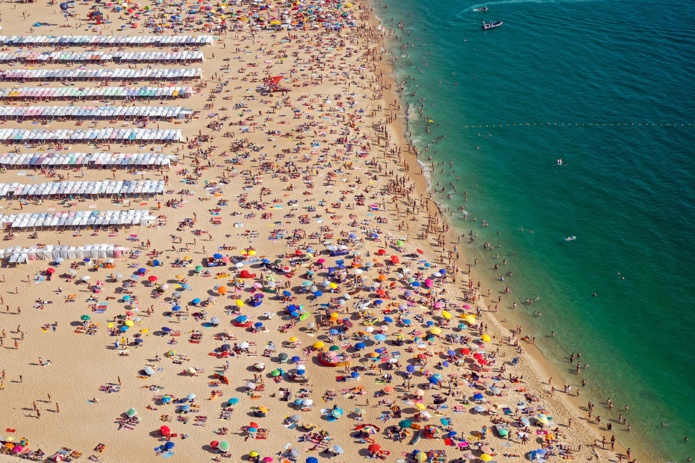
[101, 307]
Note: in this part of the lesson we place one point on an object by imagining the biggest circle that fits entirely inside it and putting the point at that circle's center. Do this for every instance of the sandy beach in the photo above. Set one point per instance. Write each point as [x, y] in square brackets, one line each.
[294, 294]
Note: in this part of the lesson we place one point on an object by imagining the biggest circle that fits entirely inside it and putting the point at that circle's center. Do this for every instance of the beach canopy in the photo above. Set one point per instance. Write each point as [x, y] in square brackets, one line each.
[140, 40]
[88, 75]
[90, 136]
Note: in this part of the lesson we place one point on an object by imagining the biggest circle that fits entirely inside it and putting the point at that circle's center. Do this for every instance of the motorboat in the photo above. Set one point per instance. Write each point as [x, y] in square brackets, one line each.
[491, 25]
[482, 9]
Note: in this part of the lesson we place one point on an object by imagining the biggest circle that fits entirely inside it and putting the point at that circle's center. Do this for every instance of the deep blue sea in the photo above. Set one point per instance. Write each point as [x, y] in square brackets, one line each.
[608, 87]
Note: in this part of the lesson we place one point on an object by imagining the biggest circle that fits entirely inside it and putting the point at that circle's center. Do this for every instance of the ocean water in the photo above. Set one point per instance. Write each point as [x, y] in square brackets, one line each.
[606, 86]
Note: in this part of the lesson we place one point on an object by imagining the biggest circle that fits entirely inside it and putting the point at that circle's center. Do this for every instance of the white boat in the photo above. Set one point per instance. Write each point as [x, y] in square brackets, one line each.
[482, 9]
[491, 25]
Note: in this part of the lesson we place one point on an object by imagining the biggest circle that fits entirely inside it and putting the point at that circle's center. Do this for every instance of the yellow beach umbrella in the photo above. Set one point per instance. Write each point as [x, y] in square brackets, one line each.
[129, 323]
[319, 345]
[436, 331]
[420, 406]
[293, 339]
[239, 303]
[144, 331]
[446, 314]
[486, 338]
[253, 454]
[485, 457]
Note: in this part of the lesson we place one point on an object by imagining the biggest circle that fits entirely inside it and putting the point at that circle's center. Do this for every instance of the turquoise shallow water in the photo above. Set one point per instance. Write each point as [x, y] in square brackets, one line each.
[608, 87]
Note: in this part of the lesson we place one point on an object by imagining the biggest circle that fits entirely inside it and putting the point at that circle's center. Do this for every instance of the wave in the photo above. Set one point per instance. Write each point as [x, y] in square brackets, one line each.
[520, 2]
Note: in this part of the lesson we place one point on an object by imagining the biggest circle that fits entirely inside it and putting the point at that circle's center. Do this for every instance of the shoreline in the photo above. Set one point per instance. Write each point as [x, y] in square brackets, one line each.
[259, 196]
[541, 365]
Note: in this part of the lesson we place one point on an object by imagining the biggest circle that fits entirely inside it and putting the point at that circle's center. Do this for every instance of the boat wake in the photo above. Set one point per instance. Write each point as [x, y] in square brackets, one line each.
[492, 5]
